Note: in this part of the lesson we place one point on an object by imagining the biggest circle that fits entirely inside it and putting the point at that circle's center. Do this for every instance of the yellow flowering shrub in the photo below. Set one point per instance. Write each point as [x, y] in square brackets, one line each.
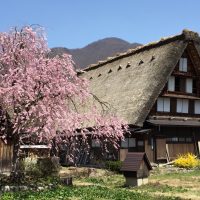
[188, 160]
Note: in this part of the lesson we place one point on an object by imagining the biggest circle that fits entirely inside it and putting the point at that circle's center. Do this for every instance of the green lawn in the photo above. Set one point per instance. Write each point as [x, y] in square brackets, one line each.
[82, 192]
[107, 186]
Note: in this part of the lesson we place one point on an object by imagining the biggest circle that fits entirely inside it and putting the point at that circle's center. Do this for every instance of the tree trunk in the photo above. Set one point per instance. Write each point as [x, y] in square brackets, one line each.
[16, 174]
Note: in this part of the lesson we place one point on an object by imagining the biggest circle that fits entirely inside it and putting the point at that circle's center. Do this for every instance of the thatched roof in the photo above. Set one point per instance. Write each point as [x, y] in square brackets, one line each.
[131, 82]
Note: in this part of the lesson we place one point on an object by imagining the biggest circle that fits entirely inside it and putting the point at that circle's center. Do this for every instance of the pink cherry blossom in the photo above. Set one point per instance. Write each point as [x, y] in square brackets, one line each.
[38, 93]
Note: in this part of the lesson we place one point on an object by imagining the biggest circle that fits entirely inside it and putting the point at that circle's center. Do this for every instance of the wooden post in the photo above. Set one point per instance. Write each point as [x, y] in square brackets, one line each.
[66, 181]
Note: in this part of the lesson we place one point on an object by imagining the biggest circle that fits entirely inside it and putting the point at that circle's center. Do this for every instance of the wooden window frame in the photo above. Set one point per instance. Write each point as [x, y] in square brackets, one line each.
[128, 143]
[182, 101]
[171, 84]
[183, 65]
[188, 87]
[179, 140]
[164, 101]
[195, 107]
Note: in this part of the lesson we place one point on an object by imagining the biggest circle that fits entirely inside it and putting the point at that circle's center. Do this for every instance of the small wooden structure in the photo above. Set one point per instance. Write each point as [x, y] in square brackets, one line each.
[135, 168]
[36, 150]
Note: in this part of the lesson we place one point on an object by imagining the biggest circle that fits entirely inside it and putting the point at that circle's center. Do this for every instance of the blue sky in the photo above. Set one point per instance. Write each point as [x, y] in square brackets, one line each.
[75, 23]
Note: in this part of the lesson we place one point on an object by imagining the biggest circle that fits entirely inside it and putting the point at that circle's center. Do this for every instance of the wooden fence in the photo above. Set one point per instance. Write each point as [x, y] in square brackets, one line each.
[6, 155]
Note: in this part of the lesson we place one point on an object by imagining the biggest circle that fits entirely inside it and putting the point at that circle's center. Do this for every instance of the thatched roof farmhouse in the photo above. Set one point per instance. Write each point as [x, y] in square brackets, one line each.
[138, 83]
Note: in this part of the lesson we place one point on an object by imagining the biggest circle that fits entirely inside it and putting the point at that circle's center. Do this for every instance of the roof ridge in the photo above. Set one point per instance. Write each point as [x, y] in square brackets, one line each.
[186, 35]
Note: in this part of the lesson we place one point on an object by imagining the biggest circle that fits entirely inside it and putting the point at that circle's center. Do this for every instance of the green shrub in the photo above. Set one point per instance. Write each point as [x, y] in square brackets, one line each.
[30, 167]
[188, 161]
[113, 165]
[48, 166]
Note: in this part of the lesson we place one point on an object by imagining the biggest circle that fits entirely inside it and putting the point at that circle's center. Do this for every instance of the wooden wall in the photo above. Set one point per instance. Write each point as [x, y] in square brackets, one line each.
[177, 149]
[172, 149]
[149, 151]
[161, 148]
[6, 154]
[122, 154]
[181, 90]
[143, 171]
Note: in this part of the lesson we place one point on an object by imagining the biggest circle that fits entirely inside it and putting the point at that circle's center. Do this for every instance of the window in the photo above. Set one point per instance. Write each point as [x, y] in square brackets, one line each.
[140, 143]
[124, 143]
[197, 107]
[163, 104]
[188, 139]
[128, 142]
[95, 143]
[194, 89]
[132, 142]
[189, 85]
[180, 84]
[171, 83]
[183, 65]
[184, 85]
[182, 106]
[140, 146]
[174, 139]
[179, 139]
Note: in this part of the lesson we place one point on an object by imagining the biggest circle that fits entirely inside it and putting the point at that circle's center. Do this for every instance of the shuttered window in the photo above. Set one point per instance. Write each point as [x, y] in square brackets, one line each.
[189, 85]
[163, 104]
[171, 83]
[183, 65]
[124, 143]
[197, 107]
[128, 142]
[182, 106]
[132, 142]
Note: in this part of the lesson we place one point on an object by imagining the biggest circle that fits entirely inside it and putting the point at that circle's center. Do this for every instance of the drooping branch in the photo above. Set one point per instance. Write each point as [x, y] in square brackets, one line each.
[40, 94]
[104, 105]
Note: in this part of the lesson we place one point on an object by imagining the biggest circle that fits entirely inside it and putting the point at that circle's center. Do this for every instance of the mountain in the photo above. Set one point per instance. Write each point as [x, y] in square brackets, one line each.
[95, 51]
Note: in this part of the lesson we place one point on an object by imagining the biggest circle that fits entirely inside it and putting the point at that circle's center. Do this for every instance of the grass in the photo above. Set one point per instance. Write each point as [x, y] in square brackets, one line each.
[163, 188]
[182, 175]
[83, 193]
[109, 186]
[112, 181]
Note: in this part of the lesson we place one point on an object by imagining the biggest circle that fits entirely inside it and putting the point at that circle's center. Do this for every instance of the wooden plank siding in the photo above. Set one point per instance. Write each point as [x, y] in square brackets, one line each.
[161, 149]
[122, 154]
[177, 149]
[6, 155]
[149, 151]
[173, 141]
[180, 89]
